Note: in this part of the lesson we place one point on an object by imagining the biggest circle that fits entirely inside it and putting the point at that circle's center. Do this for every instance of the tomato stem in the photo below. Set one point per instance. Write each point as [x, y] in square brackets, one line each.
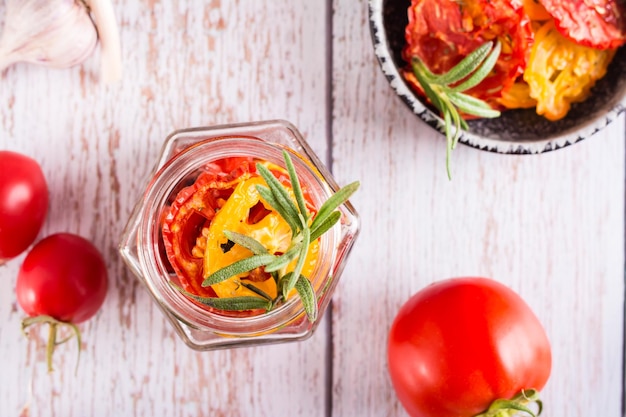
[54, 325]
[506, 408]
[52, 342]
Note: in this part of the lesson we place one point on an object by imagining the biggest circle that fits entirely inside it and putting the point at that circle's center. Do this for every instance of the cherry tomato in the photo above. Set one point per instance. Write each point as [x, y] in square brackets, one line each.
[597, 23]
[63, 276]
[458, 345]
[23, 203]
[442, 32]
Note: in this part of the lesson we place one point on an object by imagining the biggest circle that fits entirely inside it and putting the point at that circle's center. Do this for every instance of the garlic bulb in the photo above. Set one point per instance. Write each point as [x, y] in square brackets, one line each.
[54, 33]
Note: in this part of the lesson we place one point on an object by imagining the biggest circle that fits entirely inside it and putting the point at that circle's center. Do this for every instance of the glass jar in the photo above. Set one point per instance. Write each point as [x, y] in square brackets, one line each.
[184, 154]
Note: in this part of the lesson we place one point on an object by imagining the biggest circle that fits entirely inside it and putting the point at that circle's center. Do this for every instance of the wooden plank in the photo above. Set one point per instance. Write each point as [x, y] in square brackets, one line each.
[185, 64]
[549, 226]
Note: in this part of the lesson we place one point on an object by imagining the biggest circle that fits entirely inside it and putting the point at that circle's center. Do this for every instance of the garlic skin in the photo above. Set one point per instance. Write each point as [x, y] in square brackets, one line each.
[108, 33]
[53, 33]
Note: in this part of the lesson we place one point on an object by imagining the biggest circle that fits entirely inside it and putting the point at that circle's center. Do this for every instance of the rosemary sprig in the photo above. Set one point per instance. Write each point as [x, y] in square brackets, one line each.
[446, 91]
[304, 230]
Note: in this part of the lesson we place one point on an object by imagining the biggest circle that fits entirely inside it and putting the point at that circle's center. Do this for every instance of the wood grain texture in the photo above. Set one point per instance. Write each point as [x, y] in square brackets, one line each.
[185, 64]
[549, 226]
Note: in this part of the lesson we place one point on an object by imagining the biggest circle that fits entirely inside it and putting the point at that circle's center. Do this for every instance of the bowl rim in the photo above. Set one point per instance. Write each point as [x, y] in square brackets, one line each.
[401, 88]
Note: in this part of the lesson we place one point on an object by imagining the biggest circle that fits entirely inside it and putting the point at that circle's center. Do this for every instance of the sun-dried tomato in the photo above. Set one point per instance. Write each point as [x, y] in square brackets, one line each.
[442, 32]
[561, 72]
[193, 208]
[597, 23]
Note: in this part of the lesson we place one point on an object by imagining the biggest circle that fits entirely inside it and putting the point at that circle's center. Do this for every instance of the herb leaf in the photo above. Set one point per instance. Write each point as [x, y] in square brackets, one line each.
[247, 242]
[295, 274]
[325, 226]
[256, 290]
[281, 196]
[236, 268]
[467, 103]
[307, 295]
[283, 260]
[445, 91]
[333, 202]
[482, 71]
[290, 216]
[467, 65]
[295, 185]
[228, 303]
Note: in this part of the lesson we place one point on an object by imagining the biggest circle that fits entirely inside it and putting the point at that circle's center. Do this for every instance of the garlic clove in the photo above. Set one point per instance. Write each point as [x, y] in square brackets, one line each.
[53, 33]
[110, 48]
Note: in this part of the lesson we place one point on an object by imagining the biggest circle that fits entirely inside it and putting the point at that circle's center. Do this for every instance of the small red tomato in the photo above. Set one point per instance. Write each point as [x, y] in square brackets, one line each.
[458, 345]
[23, 203]
[64, 277]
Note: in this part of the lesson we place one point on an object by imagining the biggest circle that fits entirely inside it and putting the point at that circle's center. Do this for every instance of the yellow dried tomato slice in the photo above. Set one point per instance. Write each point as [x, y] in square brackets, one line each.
[561, 72]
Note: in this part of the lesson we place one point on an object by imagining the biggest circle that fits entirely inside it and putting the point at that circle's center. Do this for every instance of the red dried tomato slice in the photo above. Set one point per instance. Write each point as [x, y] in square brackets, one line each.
[228, 169]
[442, 32]
[597, 23]
[192, 209]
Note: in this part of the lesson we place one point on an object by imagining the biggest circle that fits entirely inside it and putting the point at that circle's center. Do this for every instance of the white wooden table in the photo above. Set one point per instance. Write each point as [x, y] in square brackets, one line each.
[550, 226]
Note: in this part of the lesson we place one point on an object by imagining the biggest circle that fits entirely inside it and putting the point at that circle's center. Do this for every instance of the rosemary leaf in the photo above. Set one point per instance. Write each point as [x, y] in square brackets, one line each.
[295, 185]
[435, 97]
[229, 303]
[279, 192]
[291, 219]
[283, 260]
[256, 290]
[325, 226]
[468, 65]
[428, 76]
[448, 120]
[456, 119]
[471, 105]
[447, 117]
[247, 242]
[307, 295]
[236, 268]
[295, 274]
[333, 202]
[480, 73]
[237, 303]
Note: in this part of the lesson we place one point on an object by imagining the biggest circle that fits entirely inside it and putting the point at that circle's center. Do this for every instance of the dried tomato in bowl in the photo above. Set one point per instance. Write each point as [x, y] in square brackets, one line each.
[600, 24]
[442, 33]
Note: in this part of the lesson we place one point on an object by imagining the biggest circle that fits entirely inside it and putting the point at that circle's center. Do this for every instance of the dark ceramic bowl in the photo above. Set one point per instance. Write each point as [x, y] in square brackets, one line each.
[515, 131]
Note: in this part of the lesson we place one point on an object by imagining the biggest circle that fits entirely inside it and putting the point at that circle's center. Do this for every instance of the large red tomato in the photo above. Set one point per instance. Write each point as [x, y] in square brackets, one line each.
[460, 344]
[23, 203]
